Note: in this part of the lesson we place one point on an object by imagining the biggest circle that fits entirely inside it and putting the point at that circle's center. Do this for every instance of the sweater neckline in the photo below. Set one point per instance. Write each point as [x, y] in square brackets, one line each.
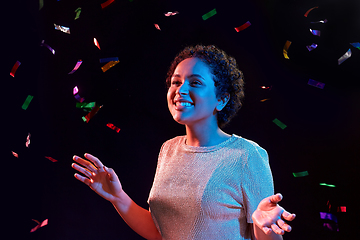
[189, 148]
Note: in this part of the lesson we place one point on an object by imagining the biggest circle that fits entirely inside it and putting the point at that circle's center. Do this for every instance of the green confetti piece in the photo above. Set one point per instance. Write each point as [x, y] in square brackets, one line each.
[84, 119]
[27, 102]
[209, 14]
[327, 185]
[78, 11]
[279, 123]
[85, 106]
[301, 174]
[41, 4]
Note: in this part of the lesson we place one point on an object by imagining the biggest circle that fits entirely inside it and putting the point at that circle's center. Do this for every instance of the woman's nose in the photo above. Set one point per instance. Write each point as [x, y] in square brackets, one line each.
[183, 89]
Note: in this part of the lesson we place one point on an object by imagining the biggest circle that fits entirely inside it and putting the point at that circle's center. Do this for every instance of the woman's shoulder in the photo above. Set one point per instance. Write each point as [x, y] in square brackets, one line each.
[246, 143]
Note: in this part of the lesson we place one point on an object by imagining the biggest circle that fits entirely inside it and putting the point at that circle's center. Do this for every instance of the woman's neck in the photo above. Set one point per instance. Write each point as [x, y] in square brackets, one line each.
[203, 136]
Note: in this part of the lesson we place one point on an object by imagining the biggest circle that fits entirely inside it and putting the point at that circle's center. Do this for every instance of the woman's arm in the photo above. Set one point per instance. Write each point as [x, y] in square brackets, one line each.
[105, 182]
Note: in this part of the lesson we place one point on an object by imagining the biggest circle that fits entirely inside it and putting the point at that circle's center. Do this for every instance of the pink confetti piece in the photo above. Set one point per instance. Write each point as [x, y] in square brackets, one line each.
[311, 47]
[113, 127]
[96, 43]
[44, 44]
[15, 154]
[14, 68]
[344, 57]
[75, 90]
[27, 144]
[307, 12]
[44, 223]
[157, 26]
[168, 14]
[315, 32]
[51, 159]
[107, 3]
[331, 227]
[76, 67]
[242, 27]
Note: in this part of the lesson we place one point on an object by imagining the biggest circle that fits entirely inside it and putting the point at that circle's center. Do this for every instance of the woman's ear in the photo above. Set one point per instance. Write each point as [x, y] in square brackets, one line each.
[222, 101]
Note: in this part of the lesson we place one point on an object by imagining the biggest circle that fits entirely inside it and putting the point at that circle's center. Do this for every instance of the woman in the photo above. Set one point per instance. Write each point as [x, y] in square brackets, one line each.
[208, 184]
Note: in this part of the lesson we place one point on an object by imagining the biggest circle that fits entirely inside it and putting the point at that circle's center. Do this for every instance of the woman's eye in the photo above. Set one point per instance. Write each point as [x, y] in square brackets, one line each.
[175, 82]
[195, 83]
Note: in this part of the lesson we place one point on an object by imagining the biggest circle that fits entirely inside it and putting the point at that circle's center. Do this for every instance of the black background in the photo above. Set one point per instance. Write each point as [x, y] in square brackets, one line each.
[321, 137]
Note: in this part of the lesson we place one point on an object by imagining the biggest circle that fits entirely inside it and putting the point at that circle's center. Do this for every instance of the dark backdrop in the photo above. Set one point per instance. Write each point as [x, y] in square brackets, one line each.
[321, 136]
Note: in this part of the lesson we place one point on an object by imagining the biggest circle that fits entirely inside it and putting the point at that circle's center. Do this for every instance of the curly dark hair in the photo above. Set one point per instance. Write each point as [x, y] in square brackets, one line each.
[227, 77]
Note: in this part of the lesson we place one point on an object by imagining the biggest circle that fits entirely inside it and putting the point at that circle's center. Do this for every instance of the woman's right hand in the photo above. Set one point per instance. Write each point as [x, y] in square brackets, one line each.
[99, 178]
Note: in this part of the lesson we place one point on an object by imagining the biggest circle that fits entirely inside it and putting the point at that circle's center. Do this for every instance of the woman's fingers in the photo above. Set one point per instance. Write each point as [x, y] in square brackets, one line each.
[82, 179]
[85, 163]
[276, 229]
[284, 226]
[82, 170]
[94, 160]
[287, 216]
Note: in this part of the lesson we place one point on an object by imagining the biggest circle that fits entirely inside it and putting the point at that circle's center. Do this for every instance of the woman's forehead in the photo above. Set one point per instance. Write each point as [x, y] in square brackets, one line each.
[192, 66]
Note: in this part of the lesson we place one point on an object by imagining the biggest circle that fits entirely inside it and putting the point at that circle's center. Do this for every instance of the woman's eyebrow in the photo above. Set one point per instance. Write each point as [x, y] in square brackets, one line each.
[192, 75]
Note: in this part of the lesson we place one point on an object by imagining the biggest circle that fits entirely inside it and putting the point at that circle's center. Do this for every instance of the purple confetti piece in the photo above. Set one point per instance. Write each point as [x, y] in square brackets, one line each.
[44, 44]
[324, 215]
[104, 60]
[312, 47]
[331, 227]
[317, 84]
[315, 32]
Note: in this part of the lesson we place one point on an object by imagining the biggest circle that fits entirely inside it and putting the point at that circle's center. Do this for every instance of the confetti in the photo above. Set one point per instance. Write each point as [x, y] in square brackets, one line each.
[91, 114]
[109, 65]
[315, 32]
[104, 60]
[341, 209]
[242, 27]
[301, 174]
[344, 57]
[96, 43]
[286, 48]
[317, 84]
[86, 106]
[44, 44]
[321, 21]
[356, 44]
[27, 102]
[263, 100]
[76, 95]
[76, 67]
[264, 87]
[107, 3]
[62, 28]
[77, 11]
[307, 12]
[15, 154]
[14, 68]
[41, 4]
[44, 223]
[280, 124]
[324, 215]
[51, 159]
[168, 14]
[327, 185]
[110, 125]
[311, 47]
[157, 26]
[331, 227]
[209, 14]
[75, 90]
[27, 144]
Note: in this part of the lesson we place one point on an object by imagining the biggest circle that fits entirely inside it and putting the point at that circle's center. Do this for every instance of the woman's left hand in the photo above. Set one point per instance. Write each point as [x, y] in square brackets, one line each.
[269, 216]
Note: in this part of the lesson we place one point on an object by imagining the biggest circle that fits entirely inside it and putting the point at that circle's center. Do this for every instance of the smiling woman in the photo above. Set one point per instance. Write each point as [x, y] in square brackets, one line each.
[208, 184]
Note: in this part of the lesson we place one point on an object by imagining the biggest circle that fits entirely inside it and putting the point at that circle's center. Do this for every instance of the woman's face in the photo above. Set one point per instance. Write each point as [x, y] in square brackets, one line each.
[192, 94]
